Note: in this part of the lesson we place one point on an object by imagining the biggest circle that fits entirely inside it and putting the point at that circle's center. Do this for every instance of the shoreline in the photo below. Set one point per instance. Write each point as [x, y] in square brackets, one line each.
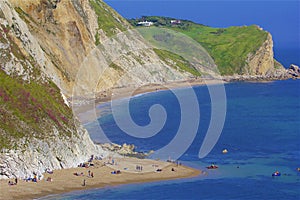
[64, 181]
[85, 105]
[130, 91]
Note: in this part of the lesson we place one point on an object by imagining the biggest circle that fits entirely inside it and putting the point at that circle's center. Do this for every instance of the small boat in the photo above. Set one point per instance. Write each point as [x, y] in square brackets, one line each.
[225, 151]
[277, 173]
[212, 167]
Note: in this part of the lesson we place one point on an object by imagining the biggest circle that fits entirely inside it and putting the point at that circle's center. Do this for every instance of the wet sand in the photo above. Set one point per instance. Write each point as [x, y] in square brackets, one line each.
[64, 181]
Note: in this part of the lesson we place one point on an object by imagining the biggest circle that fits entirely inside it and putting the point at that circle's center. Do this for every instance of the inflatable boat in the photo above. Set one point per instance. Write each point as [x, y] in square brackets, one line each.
[277, 173]
[212, 167]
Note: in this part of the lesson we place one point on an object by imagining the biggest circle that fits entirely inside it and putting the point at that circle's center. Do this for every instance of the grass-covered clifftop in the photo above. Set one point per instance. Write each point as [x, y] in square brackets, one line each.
[229, 47]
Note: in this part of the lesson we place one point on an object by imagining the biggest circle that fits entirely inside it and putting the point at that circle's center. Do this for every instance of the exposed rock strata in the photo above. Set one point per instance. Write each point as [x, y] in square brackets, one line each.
[262, 61]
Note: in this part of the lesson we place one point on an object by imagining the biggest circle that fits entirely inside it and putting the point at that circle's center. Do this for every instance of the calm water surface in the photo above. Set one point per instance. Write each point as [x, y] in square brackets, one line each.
[261, 133]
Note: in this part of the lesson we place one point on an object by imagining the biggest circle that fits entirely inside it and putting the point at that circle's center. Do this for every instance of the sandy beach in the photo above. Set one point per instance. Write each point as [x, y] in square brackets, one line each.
[130, 91]
[64, 181]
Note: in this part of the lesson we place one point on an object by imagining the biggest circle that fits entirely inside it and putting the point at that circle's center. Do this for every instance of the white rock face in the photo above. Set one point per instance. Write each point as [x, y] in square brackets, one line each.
[52, 154]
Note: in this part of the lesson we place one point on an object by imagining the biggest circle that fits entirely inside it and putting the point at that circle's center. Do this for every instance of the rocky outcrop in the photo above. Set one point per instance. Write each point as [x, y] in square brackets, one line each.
[262, 62]
[125, 150]
[294, 71]
[263, 59]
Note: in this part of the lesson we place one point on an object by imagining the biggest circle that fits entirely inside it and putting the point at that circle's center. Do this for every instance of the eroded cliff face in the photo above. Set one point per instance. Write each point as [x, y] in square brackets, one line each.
[41, 155]
[38, 130]
[262, 62]
[63, 33]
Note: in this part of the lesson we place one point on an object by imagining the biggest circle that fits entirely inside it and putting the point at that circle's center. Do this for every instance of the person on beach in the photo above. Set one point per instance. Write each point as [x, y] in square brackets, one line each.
[49, 179]
[34, 178]
[92, 175]
[83, 182]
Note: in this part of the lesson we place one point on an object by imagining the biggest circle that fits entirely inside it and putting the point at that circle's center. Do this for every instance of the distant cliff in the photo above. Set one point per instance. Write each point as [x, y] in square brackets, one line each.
[244, 50]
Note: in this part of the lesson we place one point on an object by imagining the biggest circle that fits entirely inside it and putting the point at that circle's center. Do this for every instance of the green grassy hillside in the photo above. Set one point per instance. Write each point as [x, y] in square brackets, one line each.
[30, 109]
[229, 47]
[176, 61]
[30, 106]
[109, 21]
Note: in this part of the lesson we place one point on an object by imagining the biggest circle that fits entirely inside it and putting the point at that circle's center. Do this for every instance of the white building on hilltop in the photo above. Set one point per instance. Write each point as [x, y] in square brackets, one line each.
[145, 23]
[175, 22]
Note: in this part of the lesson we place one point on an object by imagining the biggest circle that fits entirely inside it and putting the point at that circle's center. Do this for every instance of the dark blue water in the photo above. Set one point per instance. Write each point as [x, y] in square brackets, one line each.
[261, 133]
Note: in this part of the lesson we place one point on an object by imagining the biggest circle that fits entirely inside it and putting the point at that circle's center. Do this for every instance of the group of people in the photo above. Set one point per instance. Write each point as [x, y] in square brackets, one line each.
[78, 174]
[139, 168]
[116, 172]
[34, 179]
[90, 174]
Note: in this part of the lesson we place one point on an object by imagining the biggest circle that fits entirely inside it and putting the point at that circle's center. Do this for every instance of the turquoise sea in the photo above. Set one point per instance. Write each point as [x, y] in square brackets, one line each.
[261, 133]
